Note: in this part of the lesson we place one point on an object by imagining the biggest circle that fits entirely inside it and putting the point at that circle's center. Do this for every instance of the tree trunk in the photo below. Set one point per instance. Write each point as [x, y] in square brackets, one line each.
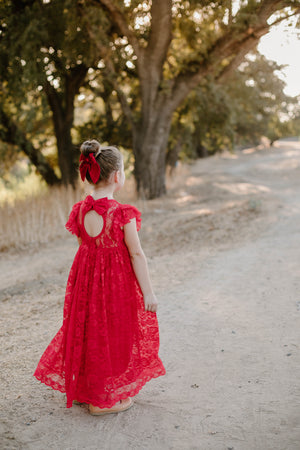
[149, 146]
[67, 156]
[201, 151]
[40, 162]
[62, 106]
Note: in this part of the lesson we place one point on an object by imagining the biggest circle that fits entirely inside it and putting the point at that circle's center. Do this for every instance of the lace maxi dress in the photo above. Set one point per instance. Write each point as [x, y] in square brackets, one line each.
[107, 347]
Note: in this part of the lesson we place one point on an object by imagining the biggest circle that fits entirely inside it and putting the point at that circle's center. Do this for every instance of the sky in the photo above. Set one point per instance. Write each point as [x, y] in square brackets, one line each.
[282, 44]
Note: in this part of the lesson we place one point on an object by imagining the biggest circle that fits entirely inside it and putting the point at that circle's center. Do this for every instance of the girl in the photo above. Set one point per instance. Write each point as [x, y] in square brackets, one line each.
[107, 347]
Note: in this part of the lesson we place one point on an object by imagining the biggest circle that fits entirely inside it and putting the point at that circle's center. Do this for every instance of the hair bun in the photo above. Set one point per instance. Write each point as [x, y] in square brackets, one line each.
[90, 146]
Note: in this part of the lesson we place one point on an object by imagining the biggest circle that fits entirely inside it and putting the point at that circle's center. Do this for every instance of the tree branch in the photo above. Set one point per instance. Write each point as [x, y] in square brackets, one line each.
[120, 21]
[110, 74]
[231, 45]
[288, 16]
[160, 33]
[111, 77]
[12, 134]
[74, 79]
[249, 45]
[150, 66]
[54, 102]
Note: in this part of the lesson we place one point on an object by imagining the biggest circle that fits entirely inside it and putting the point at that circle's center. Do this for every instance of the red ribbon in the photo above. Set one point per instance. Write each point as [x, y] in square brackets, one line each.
[100, 206]
[89, 163]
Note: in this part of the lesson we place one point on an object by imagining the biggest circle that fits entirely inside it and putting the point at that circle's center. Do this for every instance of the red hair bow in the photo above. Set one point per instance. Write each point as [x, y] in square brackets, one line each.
[89, 163]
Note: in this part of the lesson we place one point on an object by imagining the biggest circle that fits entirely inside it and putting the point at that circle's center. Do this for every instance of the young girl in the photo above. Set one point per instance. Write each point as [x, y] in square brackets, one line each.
[107, 347]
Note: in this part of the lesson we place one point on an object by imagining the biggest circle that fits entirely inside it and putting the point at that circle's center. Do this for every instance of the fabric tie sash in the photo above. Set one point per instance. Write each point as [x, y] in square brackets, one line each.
[100, 206]
[89, 163]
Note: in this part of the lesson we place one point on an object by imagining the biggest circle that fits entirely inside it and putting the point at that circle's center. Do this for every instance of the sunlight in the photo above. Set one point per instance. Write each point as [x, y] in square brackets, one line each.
[202, 212]
[286, 165]
[142, 22]
[194, 181]
[185, 198]
[242, 188]
[282, 44]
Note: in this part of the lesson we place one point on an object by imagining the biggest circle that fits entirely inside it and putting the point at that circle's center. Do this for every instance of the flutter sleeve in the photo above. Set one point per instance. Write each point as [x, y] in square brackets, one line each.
[129, 212]
[72, 224]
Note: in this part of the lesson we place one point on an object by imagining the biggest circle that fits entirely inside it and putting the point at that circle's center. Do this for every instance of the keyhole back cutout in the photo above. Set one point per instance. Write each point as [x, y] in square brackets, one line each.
[93, 223]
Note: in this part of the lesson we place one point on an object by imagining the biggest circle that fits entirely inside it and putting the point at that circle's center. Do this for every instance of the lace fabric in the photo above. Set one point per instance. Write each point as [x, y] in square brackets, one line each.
[107, 347]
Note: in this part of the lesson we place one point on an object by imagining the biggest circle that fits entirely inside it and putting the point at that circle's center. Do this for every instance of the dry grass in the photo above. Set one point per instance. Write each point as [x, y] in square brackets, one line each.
[36, 219]
[29, 220]
[40, 218]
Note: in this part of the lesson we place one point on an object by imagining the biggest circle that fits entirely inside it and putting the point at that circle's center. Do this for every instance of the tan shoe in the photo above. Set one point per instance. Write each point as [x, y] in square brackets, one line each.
[123, 405]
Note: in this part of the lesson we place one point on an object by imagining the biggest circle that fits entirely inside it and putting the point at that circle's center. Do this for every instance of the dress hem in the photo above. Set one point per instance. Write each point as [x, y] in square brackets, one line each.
[129, 393]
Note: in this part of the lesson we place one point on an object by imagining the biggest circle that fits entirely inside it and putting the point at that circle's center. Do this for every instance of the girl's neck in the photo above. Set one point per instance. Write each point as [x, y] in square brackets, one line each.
[103, 191]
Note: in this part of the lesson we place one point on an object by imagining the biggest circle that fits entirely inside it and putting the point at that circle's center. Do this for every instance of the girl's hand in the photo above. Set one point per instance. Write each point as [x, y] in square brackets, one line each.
[151, 302]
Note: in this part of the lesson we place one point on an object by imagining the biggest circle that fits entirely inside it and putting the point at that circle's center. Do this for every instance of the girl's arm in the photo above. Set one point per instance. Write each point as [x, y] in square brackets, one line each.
[139, 264]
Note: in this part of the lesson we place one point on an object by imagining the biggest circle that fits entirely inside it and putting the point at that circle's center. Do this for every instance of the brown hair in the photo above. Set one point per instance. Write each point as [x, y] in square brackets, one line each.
[109, 158]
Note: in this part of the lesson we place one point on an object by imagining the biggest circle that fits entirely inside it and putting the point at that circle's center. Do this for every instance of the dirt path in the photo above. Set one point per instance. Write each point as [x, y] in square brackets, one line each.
[223, 250]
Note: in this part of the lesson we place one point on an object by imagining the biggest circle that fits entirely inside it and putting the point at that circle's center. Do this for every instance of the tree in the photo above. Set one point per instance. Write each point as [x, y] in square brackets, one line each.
[44, 50]
[258, 102]
[202, 125]
[149, 56]
[215, 117]
[171, 47]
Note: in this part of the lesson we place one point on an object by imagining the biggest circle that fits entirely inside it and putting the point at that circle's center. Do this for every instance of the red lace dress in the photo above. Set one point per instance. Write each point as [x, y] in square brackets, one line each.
[107, 347]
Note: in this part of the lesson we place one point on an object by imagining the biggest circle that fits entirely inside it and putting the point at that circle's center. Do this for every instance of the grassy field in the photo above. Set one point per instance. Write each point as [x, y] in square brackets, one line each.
[32, 213]
[35, 218]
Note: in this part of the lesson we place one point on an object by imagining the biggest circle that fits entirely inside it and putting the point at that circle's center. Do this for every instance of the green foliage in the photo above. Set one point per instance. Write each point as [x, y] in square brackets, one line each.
[217, 117]
[8, 158]
[103, 117]
[294, 126]
[196, 26]
[203, 125]
[47, 52]
[259, 102]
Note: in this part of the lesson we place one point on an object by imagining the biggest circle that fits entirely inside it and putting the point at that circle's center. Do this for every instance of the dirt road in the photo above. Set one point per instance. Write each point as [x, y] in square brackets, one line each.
[224, 255]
